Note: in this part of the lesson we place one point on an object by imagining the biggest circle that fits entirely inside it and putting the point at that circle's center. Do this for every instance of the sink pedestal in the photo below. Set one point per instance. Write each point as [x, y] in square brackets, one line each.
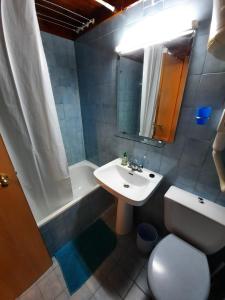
[130, 188]
[124, 217]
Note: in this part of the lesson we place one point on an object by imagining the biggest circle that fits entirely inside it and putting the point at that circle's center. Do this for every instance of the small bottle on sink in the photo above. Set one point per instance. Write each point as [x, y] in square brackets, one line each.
[124, 159]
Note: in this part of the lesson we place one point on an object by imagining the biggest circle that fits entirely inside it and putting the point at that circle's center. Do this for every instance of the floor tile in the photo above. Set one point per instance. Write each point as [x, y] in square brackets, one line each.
[32, 294]
[93, 283]
[142, 282]
[118, 281]
[50, 286]
[106, 294]
[83, 293]
[136, 294]
[117, 253]
[131, 266]
[63, 296]
[59, 275]
[104, 269]
[46, 273]
[126, 240]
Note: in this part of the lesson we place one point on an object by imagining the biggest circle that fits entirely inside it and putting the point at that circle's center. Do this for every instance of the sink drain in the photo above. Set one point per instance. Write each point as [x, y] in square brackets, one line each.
[126, 186]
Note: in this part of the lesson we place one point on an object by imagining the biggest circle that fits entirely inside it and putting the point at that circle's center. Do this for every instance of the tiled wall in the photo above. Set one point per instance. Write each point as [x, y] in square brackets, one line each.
[187, 163]
[60, 54]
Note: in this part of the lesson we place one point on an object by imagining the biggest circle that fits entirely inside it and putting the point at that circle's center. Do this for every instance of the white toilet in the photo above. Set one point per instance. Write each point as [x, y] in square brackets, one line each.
[178, 267]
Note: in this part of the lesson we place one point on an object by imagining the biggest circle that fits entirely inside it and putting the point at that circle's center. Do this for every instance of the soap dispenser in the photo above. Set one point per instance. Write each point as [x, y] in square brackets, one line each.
[124, 159]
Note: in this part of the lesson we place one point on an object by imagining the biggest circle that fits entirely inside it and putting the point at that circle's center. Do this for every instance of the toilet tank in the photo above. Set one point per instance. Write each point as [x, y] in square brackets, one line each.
[196, 220]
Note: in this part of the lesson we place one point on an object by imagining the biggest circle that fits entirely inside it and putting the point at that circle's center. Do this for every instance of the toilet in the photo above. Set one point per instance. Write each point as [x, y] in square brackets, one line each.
[178, 267]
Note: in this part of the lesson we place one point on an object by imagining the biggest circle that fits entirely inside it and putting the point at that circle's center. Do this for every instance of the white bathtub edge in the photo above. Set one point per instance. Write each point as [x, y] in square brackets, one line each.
[74, 201]
[84, 163]
[64, 208]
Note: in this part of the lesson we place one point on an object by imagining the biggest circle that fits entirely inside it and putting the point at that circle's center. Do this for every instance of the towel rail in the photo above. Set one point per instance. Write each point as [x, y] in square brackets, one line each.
[52, 22]
[58, 20]
[51, 19]
[66, 9]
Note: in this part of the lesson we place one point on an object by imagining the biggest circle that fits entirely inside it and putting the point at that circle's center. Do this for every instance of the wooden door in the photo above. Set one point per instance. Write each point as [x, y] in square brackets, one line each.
[172, 83]
[23, 256]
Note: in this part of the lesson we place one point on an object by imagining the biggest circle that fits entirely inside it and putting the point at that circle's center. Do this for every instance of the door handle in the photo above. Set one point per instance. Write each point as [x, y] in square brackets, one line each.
[4, 180]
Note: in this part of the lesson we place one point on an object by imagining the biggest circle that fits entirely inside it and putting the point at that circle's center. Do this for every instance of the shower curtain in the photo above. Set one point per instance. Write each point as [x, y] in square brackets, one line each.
[28, 118]
[150, 86]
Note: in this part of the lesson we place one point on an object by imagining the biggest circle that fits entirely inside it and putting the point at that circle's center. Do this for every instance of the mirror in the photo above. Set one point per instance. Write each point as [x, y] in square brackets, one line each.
[150, 87]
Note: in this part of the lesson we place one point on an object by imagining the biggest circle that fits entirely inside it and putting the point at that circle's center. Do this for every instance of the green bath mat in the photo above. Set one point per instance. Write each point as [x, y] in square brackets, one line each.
[80, 257]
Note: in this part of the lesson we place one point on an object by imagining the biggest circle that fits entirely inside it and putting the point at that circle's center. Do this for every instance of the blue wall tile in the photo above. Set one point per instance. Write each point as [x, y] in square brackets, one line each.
[213, 65]
[195, 152]
[60, 55]
[211, 90]
[198, 54]
[192, 84]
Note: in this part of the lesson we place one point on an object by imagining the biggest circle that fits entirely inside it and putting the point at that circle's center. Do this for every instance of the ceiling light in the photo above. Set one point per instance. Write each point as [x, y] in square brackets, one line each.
[106, 4]
[157, 29]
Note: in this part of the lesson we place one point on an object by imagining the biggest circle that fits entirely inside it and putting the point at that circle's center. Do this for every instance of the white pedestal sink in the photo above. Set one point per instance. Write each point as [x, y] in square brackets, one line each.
[131, 188]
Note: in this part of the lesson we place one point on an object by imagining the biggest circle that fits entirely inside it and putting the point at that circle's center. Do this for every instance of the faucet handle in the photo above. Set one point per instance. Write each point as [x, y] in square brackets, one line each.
[130, 164]
[133, 166]
[140, 168]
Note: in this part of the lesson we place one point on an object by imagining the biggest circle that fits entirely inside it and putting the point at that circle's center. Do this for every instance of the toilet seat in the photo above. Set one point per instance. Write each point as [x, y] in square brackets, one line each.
[177, 270]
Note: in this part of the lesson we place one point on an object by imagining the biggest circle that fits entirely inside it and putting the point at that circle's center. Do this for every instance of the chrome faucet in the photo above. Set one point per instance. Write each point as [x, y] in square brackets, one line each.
[135, 166]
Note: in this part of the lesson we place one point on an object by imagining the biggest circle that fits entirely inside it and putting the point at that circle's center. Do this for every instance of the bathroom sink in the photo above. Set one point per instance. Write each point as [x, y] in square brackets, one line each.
[131, 188]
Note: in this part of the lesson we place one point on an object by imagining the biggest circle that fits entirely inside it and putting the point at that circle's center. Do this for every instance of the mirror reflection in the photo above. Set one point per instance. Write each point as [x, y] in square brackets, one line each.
[150, 86]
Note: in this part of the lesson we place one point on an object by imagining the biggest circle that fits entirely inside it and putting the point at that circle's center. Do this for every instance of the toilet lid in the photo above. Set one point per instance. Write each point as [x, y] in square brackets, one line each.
[177, 270]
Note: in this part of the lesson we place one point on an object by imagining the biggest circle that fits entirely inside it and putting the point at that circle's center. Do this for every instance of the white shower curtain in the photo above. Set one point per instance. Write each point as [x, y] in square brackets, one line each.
[28, 118]
[150, 86]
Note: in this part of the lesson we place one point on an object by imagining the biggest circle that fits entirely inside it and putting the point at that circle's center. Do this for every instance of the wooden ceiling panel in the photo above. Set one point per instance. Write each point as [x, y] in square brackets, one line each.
[66, 17]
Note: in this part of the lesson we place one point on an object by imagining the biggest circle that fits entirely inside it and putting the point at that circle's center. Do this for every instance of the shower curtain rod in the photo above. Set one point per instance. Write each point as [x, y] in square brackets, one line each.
[58, 12]
[41, 18]
[66, 9]
[58, 20]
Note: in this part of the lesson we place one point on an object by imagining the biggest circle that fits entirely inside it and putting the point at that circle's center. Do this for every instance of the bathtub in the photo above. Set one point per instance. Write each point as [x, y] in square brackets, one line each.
[82, 179]
[88, 204]
[83, 183]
